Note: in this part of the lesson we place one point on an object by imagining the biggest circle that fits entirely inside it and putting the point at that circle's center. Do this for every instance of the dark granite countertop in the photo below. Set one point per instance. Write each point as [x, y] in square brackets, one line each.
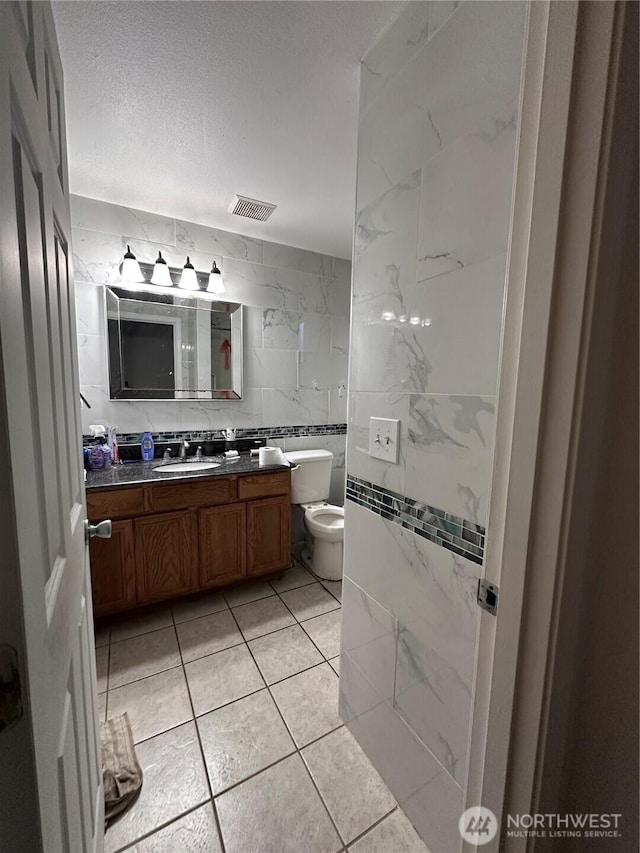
[133, 473]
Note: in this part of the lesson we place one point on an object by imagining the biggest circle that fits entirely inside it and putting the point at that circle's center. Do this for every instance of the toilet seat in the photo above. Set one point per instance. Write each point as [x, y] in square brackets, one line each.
[325, 521]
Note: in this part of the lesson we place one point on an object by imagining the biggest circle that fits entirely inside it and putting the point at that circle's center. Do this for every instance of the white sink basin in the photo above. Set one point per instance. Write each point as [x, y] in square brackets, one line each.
[184, 467]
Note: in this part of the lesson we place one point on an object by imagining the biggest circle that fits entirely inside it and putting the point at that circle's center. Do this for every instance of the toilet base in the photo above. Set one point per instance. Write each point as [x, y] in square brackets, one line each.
[324, 561]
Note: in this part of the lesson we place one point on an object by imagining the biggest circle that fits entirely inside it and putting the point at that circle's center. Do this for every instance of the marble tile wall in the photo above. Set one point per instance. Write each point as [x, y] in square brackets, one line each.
[296, 332]
[436, 152]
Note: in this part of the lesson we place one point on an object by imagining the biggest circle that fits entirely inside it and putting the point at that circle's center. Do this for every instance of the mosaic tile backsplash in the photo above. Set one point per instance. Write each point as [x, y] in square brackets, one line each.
[456, 534]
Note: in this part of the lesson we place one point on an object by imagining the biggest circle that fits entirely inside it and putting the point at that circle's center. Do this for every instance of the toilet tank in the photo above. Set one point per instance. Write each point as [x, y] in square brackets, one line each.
[311, 476]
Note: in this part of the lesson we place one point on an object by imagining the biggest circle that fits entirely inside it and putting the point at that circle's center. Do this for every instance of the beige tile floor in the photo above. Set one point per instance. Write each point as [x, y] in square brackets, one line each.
[233, 703]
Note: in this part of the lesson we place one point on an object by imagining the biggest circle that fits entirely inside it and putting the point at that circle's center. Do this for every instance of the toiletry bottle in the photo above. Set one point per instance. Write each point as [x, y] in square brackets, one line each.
[113, 445]
[99, 452]
[147, 447]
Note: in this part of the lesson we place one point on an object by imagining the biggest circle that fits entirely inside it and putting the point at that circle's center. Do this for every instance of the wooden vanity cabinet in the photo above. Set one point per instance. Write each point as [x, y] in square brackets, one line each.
[113, 570]
[186, 536]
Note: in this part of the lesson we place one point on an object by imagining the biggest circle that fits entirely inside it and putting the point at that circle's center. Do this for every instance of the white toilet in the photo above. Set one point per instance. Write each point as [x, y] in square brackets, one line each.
[310, 480]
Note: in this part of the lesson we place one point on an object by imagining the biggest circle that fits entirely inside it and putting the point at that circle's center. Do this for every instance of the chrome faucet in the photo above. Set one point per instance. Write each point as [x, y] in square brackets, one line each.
[183, 449]
[167, 454]
[199, 453]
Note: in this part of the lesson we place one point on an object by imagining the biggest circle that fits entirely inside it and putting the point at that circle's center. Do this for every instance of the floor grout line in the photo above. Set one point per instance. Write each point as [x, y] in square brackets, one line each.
[204, 761]
[297, 750]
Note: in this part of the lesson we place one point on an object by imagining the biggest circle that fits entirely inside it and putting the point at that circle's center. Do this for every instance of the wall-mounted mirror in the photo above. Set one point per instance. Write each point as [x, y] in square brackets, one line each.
[172, 347]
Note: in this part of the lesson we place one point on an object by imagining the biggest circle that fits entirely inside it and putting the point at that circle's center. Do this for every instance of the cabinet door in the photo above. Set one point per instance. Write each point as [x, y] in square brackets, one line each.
[113, 571]
[166, 555]
[268, 535]
[223, 536]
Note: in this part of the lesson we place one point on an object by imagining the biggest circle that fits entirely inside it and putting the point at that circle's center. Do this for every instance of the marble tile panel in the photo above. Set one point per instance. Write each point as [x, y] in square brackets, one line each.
[397, 45]
[279, 255]
[258, 285]
[221, 678]
[262, 617]
[141, 622]
[362, 407]
[315, 332]
[369, 634]
[393, 833]
[314, 294]
[242, 739]
[284, 653]
[293, 406]
[338, 404]
[196, 832]
[308, 601]
[96, 256]
[117, 220]
[280, 329]
[309, 703]
[207, 635]
[322, 370]
[196, 606]
[154, 704]
[89, 308]
[219, 414]
[324, 630]
[472, 176]
[141, 656]
[253, 319]
[174, 782]
[434, 700]
[92, 360]
[353, 791]
[252, 818]
[458, 97]
[340, 335]
[449, 453]
[427, 588]
[270, 368]
[192, 237]
[404, 763]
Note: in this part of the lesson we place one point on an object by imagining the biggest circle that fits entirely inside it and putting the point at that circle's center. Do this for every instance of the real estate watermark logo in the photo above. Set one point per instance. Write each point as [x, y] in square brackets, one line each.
[478, 825]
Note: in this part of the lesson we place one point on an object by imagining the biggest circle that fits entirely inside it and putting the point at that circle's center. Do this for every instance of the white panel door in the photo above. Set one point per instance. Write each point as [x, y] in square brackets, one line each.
[45, 595]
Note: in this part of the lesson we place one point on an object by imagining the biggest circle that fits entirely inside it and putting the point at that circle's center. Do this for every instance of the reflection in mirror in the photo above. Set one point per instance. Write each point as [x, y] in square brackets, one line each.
[172, 347]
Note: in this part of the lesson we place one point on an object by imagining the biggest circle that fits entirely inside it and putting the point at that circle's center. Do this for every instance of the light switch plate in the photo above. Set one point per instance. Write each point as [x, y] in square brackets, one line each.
[384, 439]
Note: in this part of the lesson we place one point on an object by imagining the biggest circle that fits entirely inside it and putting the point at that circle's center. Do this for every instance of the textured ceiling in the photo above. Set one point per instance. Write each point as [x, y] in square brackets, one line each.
[173, 107]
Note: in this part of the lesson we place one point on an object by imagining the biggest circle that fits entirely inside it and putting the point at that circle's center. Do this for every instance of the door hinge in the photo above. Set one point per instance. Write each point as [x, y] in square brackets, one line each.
[488, 596]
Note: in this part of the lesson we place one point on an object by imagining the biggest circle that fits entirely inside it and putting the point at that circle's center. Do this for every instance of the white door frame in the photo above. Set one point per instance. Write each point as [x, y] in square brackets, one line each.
[571, 82]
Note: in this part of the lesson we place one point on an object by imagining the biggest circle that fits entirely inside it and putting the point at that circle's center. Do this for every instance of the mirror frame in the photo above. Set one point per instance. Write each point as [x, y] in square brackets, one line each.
[236, 313]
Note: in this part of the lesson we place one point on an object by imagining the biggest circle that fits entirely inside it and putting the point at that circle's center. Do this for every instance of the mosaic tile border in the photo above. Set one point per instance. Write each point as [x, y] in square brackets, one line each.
[456, 534]
[217, 434]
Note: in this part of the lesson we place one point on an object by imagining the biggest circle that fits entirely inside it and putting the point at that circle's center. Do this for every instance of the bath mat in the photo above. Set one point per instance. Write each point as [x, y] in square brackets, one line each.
[121, 773]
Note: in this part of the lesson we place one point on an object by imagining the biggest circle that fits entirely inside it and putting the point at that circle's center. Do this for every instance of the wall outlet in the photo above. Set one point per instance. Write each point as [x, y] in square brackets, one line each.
[384, 439]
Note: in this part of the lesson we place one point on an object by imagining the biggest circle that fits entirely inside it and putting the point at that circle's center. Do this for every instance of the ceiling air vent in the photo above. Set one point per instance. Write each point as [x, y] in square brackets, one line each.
[251, 208]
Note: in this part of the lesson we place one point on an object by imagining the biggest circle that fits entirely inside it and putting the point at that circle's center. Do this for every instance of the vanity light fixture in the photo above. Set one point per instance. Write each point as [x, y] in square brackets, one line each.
[189, 279]
[216, 283]
[130, 268]
[161, 274]
[162, 279]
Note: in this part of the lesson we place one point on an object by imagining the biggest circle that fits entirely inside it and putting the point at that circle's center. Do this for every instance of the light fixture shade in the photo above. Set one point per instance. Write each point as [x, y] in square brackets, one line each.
[189, 279]
[130, 268]
[216, 282]
[161, 273]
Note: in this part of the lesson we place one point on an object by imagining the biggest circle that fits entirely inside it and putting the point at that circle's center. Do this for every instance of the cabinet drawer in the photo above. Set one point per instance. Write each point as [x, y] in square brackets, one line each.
[264, 485]
[198, 492]
[115, 503]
